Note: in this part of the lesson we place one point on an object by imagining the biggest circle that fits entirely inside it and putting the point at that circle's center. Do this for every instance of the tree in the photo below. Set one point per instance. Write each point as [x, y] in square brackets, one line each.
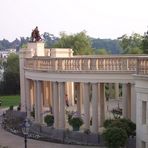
[79, 42]
[145, 43]
[111, 46]
[11, 80]
[101, 51]
[127, 125]
[131, 44]
[115, 137]
[49, 39]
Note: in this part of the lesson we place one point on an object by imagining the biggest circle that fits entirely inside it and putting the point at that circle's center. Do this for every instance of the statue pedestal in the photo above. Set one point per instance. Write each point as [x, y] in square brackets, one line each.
[37, 48]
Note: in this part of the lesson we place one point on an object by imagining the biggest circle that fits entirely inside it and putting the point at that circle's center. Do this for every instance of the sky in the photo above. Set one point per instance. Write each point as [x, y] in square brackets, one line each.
[99, 18]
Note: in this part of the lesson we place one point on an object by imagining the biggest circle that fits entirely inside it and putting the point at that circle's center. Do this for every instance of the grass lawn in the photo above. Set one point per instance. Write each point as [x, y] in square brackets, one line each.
[10, 100]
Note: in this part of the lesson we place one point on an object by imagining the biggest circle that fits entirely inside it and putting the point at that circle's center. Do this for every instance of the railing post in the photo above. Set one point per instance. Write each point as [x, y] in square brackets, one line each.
[138, 66]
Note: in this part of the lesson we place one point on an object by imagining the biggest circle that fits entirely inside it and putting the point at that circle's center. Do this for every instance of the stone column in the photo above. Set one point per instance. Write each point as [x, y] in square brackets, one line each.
[31, 94]
[124, 100]
[110, 90]
[28, 101]
[56, 104]
[46, 94]
[39, 99]
[133, 103]
[116, 91]
[79, 99]
[81, 92]
[99, 109]
[51, 97]
[69, 90]
[43, 91]
[94, 108]
[86, 106]
[127, 100]
[62, 105]
[36, 102]
[22, 82]
[102, 104]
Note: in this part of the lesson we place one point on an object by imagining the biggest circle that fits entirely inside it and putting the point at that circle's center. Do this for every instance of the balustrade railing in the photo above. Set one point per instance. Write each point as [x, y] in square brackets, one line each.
[135, 65]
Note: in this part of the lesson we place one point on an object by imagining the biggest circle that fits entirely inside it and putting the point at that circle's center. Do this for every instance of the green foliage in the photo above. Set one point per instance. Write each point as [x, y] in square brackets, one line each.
[115, 137]
[49, 120]
[131, 44]
[101, 51]
[11, 107]
[69, 117]
[135, 45]
[79, 42]
[76, 121]
[49, 39]
[135, 50]
[145, 43]
[107, 123]
[131, 125]
[128, 126]
[111, 46]
[11, 76]
[10, 100]
[122, 125]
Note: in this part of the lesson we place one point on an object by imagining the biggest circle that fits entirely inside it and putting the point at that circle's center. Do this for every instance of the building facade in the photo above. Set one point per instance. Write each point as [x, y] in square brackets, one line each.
[48, 75]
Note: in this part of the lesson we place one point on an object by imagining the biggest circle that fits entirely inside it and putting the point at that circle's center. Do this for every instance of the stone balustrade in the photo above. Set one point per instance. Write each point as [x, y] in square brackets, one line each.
[120, 64]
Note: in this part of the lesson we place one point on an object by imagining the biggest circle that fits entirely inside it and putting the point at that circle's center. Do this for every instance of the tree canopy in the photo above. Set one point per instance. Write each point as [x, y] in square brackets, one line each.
[83, 44]
[79, 42]
[49, 39]
[145, 43]
[10, 84]
[101, 51]
[131, 44]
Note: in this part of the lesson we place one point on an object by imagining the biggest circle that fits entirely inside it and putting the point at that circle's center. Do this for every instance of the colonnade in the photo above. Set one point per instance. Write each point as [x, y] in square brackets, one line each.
[89, 97]
[39, 89]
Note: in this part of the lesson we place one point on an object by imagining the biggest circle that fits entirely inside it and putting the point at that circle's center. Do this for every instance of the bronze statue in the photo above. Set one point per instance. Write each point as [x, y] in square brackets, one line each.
[35, 35]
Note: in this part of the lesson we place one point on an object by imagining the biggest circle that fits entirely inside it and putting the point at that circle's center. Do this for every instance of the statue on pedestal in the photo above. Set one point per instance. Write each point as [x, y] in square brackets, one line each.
[35, 35]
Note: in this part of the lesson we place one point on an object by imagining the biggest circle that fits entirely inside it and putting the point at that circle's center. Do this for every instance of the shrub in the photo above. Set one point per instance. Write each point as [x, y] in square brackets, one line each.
[75, 120]
[131, 125]
[107, 123]
[49, 120]
[124, 124]
[115, 137]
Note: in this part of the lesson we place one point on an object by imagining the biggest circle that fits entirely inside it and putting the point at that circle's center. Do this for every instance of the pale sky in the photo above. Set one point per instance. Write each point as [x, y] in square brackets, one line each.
[100, 18]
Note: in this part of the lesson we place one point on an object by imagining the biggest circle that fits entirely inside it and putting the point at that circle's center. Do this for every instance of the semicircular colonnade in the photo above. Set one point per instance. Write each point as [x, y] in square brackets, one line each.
[47, 75]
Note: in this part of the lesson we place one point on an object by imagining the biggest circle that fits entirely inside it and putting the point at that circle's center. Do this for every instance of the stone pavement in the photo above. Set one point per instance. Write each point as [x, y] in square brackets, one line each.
[14, 141]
